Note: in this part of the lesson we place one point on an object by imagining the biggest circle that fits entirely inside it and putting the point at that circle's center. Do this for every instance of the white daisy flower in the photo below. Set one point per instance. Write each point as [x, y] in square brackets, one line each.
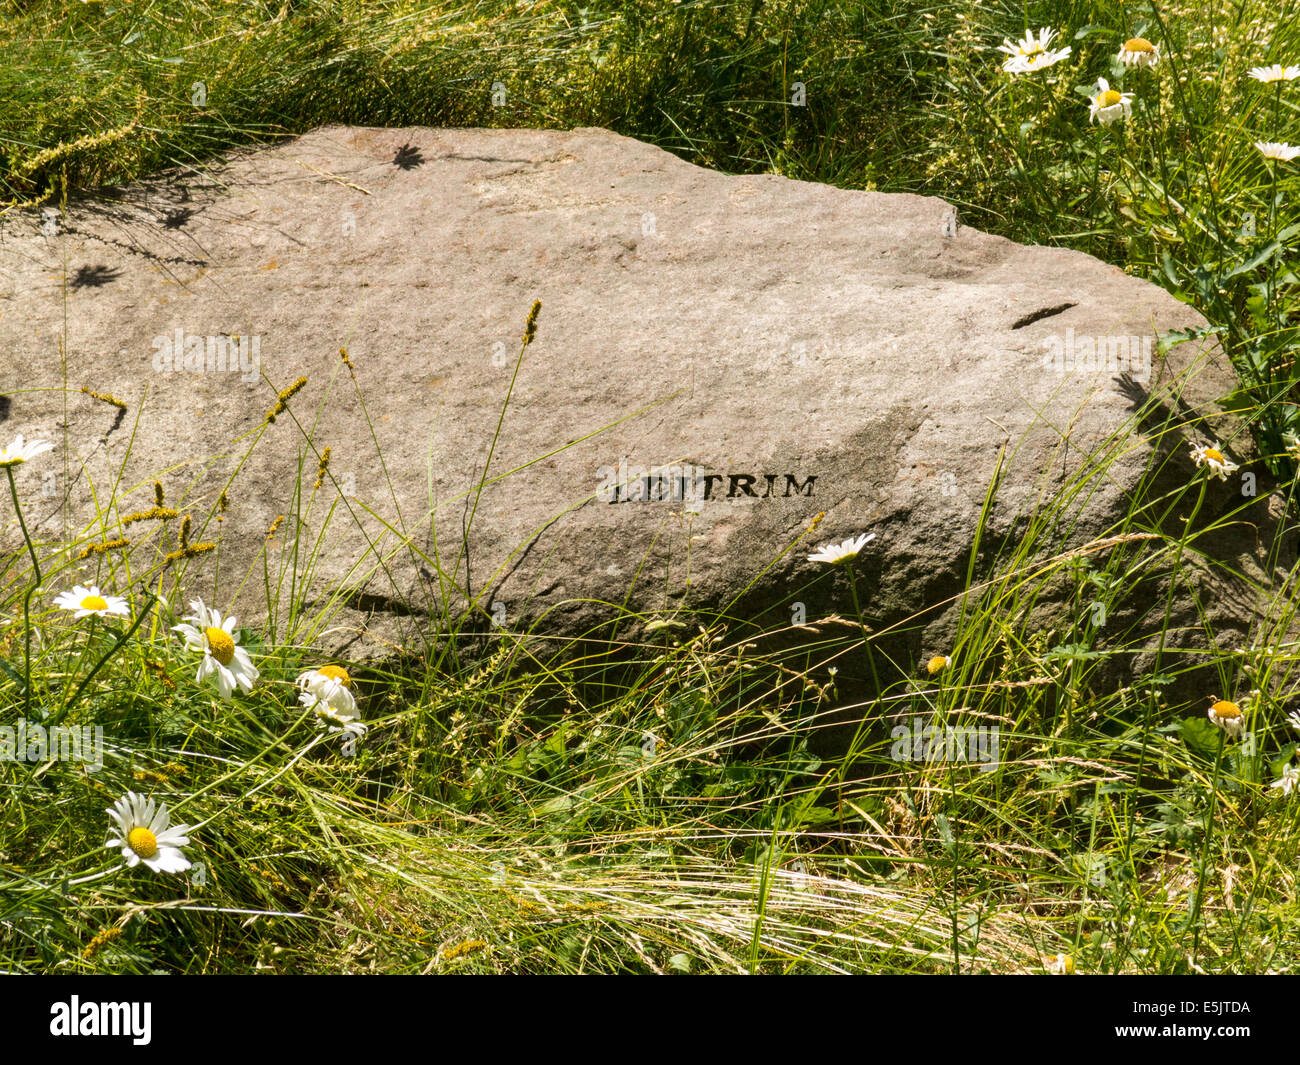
[843, 551]
[1275, 73]
[222, 656]
[1282, 153]
[1227, 716]
[1061, 965]
[332, 686]
[336, 720]
[18, 452]
[1294, 718]
[937, 663]
[1290, 778]
[1109, 106]
[91, 601]
[144, 835]
[328, 691]
[1212, 457]
[1032, 53]
[1139, 52]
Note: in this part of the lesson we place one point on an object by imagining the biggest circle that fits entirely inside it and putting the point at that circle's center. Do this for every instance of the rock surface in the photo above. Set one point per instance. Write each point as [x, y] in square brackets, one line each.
[784, 348]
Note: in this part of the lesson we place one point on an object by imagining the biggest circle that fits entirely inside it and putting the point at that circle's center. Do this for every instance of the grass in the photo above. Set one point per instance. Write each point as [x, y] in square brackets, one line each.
[697, 804]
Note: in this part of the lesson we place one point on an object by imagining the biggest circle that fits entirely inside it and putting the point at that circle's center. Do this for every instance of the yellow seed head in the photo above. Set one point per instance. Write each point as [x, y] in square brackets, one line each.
[104, 397]
[1213, 454]
[1138, 44]
[282, 400]
[1109, 98]
[467, 947]
[94, 602]
[152, 514]
[937, 663]
[96, 944]
[99, 549]
[322, 467]
[530, 328]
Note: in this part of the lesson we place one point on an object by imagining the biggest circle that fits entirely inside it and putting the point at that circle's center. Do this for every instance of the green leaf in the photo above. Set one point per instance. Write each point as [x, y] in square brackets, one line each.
[1197, 732]
[561, 804]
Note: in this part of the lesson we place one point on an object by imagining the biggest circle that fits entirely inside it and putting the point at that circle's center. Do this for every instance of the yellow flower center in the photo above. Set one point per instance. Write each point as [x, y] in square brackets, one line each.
[1213, 455]
[1226, 711]
[143, 842]
[1109, 98]
[337, 673]
[1138, 44]
[935, 664]
[94, 602]
[221, 645]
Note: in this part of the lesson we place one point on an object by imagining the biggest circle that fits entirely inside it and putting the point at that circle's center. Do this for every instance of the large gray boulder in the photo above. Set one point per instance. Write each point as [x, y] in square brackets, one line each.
[717, 361]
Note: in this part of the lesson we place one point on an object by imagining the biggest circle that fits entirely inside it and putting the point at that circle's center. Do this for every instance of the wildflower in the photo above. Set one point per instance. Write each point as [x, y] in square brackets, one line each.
[1294, 718]
[937, 663]
[842, 552]
[331, 685]
[1108, 105]
[1061, 965]
[328, 691]
[222, 656]
[1031, 54]
[18, 452]
[335, 719]
[1290, 777]
[1227, 716]
[1212, 457]
[1282, 153]
[87, 601]
[1139, 52]
[1275, 73]
[144, 835]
